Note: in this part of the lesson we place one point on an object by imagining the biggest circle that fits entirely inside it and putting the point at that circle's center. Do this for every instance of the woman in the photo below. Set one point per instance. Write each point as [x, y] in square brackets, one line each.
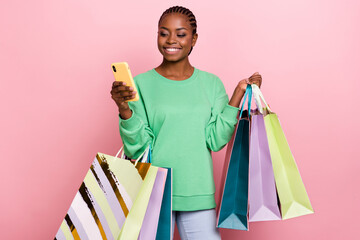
[184, 113]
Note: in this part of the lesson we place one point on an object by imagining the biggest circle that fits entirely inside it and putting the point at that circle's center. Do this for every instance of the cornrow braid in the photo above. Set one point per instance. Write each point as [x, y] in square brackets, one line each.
[186, 12]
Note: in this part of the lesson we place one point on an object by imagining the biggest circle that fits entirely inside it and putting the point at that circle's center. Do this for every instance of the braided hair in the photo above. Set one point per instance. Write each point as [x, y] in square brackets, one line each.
[186, 12]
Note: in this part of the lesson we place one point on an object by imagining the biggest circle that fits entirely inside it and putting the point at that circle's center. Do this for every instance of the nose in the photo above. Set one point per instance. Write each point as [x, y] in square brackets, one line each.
[171, 39]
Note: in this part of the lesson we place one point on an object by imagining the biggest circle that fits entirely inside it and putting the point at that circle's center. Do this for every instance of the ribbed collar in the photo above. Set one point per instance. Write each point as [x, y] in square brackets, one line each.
[179, 82]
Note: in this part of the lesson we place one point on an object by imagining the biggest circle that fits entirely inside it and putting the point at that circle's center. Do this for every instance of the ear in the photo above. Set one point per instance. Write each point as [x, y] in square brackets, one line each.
[194, 39]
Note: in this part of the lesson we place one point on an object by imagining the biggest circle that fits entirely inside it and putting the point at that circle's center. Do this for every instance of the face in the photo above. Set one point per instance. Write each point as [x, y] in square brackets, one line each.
[175, 37]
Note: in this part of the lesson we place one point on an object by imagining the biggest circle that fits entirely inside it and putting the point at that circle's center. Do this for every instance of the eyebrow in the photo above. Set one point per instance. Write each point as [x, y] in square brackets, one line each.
[176, 29]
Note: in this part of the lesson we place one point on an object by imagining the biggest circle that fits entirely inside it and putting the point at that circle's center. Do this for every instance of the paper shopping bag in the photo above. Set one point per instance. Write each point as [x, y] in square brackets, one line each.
[164, 230]
[135, 218]
[151, 219]
[233, 210]
[104, 199]
[294, 200]
[158, 218]
[263, 203]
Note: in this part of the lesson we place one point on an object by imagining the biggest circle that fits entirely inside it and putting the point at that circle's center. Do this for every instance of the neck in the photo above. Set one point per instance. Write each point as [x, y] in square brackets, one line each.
[178, 68]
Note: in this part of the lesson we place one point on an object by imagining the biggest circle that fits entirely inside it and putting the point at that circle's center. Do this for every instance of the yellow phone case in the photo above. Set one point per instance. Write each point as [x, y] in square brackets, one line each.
[122, 73]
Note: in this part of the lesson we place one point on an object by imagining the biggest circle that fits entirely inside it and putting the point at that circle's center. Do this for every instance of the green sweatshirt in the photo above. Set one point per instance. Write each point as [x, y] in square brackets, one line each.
[183, 121]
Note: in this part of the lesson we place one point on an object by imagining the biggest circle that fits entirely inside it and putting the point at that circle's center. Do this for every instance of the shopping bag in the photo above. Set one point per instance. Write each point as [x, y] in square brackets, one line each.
[134, 220]
[294, 200]
[233, 210]
[164, 230]
[161, 221]
[104, 198]
[263, 203]
[151, 219]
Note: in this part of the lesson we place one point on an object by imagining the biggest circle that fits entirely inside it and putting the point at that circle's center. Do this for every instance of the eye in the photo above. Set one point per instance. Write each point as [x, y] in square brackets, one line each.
[163, 34]
[183, 35]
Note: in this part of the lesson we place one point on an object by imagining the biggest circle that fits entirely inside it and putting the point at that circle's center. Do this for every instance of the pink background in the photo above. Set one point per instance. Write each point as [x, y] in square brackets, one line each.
[56, 110]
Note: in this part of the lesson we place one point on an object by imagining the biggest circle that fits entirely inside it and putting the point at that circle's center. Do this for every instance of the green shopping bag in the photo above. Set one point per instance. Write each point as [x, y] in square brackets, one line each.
[293, 198]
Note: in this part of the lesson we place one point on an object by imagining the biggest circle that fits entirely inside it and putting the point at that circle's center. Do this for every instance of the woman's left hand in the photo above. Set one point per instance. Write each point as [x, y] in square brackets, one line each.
[241, 87]
[255, 79]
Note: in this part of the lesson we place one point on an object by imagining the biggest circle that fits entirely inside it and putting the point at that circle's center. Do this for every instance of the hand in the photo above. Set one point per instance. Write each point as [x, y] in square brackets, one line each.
[243, 84]
[255, 79]
[120, 93]
[241, 88]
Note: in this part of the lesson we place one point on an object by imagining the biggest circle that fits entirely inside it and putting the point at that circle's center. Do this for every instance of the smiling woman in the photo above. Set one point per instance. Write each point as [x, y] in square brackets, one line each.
[176, 38]
[184, 113]
[187, 33]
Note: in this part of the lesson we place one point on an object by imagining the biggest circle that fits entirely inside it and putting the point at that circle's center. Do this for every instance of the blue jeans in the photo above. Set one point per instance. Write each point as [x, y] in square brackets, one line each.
[196, 225]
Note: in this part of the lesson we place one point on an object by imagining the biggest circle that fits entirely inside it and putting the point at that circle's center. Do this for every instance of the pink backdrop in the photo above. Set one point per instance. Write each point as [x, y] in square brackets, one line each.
[56, 110]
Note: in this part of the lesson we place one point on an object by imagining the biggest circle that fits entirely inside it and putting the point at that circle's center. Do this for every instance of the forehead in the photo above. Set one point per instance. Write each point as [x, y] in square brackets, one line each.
[175, 20]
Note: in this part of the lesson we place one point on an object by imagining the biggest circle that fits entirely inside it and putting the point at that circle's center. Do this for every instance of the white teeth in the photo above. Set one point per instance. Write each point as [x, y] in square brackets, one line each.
[172, 49]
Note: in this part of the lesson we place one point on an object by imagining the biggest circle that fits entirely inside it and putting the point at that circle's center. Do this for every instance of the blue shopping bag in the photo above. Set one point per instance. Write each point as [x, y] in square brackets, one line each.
[233, 211]
[165, 219]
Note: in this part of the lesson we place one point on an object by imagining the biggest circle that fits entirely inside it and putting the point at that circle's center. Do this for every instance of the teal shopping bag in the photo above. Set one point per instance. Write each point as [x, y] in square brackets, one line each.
[233, 211]
[165, 219]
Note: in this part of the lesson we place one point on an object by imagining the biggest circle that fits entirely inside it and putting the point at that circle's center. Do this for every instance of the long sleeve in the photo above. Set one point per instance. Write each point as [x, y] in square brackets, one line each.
[223, 119]
[135, 131]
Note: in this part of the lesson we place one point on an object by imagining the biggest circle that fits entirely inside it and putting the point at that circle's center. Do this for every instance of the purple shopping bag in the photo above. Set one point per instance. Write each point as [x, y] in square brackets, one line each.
[263, 204]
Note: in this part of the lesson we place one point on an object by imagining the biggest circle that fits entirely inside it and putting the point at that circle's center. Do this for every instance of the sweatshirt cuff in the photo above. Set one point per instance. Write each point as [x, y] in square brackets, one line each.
[230, 112]
[129, 123]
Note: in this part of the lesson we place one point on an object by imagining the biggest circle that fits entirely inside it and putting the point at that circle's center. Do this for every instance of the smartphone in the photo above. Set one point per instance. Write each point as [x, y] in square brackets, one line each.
[122, 73]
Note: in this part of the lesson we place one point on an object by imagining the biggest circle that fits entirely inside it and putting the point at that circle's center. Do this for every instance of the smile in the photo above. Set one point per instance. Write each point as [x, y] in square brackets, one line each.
[172, 50]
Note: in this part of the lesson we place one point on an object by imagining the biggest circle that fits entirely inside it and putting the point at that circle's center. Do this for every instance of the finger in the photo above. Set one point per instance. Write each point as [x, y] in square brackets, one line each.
[126, 94]
[118, 83]
[122, 88]
[120, 94]
[257, 83]
[122, 99]
[255, 76]
[255, 79]
[128, 98]
[116, 89]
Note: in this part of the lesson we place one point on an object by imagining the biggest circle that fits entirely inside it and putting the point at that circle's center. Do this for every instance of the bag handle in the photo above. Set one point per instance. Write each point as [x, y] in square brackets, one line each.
[122, 155]
[257, 96]
[248, 94]
[147, 151]
[149, 157]
[142, 160]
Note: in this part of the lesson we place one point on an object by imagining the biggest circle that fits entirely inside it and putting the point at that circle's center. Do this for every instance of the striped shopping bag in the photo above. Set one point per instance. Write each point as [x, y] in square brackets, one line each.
[105, 197]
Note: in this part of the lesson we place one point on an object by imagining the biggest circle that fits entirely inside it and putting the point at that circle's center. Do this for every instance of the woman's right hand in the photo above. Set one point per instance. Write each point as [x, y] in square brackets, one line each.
[120, 93]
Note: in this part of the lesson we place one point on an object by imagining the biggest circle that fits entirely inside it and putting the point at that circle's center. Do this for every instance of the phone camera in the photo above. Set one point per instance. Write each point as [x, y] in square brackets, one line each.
[114, 68]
